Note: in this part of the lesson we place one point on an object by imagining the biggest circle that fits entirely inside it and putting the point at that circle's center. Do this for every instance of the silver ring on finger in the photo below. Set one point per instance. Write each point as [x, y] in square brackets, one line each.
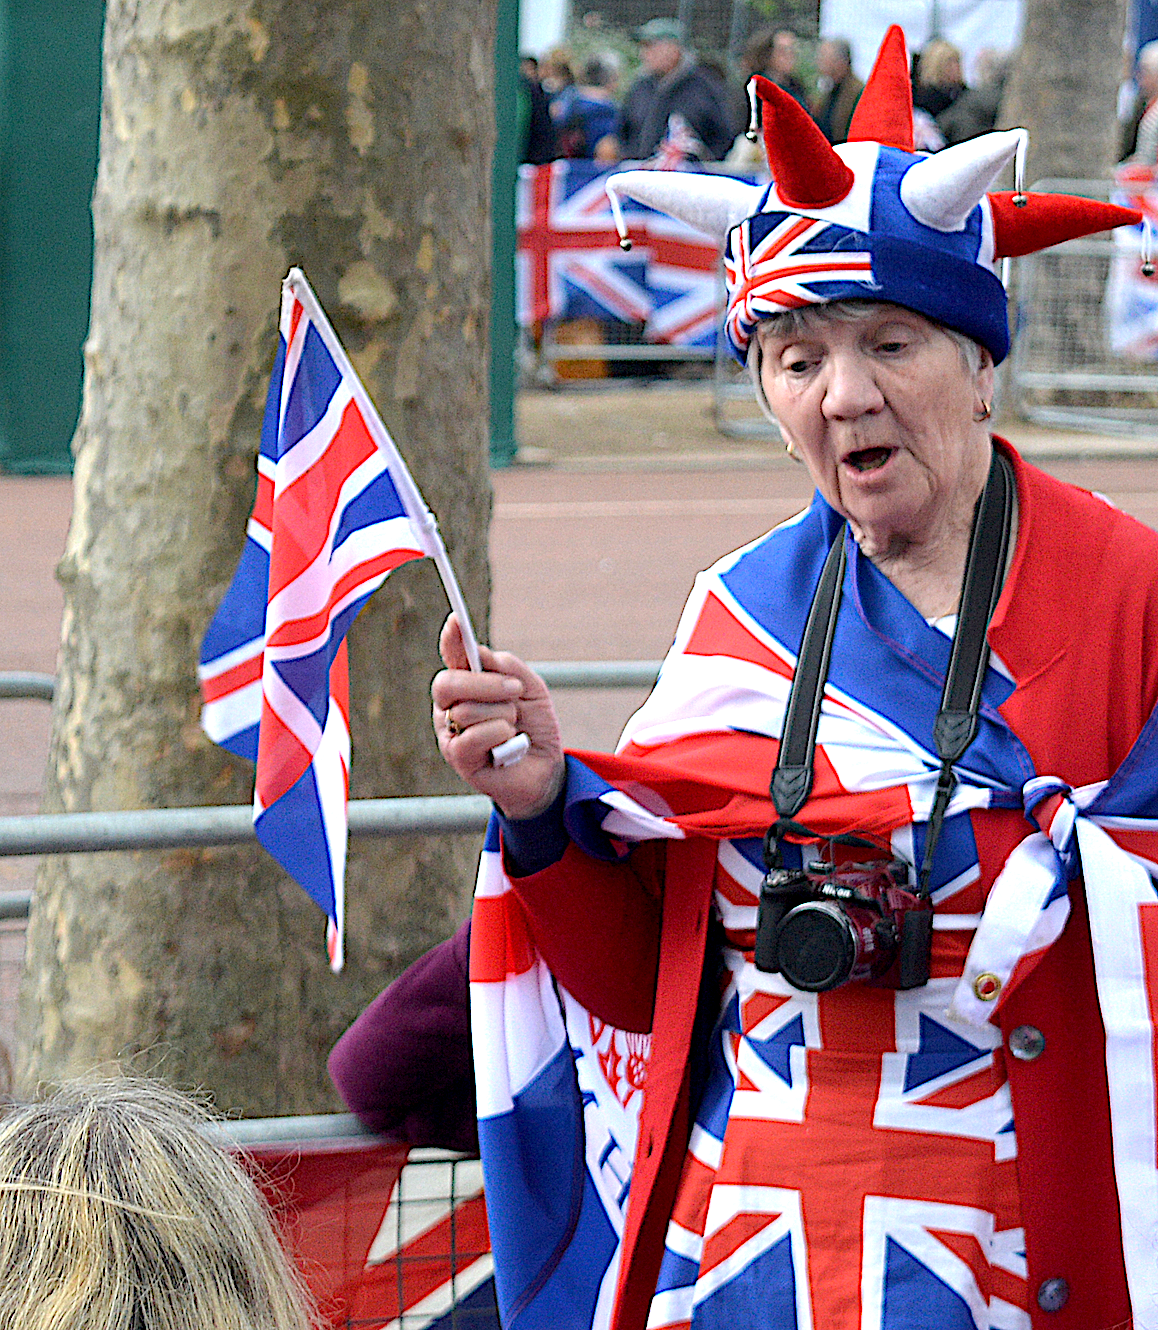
[452, 726]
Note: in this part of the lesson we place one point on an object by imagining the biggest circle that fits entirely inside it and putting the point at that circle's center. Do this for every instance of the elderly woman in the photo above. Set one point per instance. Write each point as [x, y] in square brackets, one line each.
[827, 869]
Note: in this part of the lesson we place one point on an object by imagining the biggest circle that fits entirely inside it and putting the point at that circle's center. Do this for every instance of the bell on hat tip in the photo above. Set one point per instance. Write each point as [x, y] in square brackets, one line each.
[1019, 200]
[1147, 270]
[625, 242]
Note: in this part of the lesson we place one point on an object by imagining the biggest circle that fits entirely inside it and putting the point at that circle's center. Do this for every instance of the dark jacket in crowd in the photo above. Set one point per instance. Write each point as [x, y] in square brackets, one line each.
[537, 129]
[972, 114]
[833, 110]
[689, 91]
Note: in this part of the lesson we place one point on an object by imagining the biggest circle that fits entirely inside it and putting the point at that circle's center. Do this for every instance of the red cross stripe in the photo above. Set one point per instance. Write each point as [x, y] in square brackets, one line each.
[555, 230]
[776, 274]
[846, 1168]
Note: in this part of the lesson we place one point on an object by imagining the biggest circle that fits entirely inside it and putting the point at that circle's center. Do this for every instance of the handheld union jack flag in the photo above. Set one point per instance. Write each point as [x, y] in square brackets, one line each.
[336, 511]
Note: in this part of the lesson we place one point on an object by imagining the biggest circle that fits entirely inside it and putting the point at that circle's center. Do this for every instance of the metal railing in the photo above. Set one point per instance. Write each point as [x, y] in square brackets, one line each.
[25, 685]
[232, 824]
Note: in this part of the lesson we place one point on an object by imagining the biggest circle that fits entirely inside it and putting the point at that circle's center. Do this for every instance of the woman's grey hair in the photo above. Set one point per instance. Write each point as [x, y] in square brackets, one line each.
[796, 322]
[118, 1211]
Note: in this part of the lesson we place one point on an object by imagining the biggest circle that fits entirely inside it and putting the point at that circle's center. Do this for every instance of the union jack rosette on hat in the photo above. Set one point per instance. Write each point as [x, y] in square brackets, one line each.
[871, 219]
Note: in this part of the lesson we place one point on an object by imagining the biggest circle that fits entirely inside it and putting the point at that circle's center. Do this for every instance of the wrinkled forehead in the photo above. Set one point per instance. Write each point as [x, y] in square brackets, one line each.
[812, 319]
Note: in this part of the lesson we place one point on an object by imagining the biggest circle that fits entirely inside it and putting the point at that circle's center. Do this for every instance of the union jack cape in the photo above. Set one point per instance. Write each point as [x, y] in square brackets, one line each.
[562, 1094]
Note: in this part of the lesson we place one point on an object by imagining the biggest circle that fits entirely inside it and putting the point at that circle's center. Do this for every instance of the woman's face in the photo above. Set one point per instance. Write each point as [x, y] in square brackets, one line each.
[881, 411]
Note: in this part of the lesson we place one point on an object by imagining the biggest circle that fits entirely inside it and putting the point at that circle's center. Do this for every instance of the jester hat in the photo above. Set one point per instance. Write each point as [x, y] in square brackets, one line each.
[870, 219]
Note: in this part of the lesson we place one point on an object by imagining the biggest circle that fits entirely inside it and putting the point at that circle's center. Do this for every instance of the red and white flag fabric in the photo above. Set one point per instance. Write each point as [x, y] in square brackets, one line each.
[386, 1237]
[1131, 295]
[570, 264]
[336, 511]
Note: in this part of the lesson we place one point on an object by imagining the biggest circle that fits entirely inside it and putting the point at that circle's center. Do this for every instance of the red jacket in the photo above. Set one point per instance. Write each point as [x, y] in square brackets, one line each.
[1077, 625]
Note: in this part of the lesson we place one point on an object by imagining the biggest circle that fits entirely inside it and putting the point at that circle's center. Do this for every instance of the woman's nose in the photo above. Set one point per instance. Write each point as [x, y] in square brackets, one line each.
[851, 389]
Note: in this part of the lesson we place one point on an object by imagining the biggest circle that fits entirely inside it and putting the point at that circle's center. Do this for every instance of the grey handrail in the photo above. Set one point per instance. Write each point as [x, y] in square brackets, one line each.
[30, 686]
[227, 824]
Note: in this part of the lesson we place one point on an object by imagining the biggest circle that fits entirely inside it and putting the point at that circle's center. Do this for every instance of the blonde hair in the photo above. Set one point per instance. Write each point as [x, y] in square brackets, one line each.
[118, 1212]
[935, 62]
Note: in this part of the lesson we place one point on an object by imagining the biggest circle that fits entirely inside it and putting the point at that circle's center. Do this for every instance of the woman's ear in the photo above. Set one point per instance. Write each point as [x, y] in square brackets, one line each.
[985, 372]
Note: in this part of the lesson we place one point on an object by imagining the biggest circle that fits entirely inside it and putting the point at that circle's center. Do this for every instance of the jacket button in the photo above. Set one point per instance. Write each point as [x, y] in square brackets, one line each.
[1053, 1295]
[1026, 1042]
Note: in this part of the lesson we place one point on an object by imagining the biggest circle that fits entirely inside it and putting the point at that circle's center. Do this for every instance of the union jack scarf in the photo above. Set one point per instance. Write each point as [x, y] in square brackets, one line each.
[559, 1092]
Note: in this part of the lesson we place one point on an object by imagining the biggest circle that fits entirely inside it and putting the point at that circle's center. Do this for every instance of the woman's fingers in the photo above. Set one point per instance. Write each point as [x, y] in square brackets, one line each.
[477, 710]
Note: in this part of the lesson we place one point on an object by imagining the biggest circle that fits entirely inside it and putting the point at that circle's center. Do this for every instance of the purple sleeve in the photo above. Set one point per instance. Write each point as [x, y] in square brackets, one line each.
[405, 1067]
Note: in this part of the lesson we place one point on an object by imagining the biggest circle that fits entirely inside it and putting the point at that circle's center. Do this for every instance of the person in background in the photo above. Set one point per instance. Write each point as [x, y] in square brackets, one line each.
[558, 79]
[1141, 136]
[672, 86]
[838, 89]
[119, 1212]
[594, 110]
[773, 53]
[938, 81]
[404, 1068]
[534, 129]
[780, 65]
[975, 111]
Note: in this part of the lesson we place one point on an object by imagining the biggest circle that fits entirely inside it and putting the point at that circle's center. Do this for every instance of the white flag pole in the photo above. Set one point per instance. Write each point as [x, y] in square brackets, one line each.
[423, 520]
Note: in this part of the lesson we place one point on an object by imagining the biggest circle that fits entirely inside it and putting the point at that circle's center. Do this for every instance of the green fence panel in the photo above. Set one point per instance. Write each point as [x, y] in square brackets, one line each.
[49, 123]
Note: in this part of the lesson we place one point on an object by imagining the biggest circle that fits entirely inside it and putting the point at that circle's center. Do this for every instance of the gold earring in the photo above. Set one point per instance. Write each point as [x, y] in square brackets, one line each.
[983, 414]
[788, 448]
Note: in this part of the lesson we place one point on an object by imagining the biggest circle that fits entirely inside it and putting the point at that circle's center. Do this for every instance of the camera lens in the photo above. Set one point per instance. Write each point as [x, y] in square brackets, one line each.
[817, 946]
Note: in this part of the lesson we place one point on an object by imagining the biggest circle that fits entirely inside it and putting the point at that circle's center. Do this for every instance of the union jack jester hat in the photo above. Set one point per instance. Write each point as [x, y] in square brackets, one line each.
[870, 218]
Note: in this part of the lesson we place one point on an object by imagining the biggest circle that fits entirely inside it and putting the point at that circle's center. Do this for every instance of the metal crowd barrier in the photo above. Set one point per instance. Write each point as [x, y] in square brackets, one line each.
[1062, 371]
[232, 824]
[385, 1237]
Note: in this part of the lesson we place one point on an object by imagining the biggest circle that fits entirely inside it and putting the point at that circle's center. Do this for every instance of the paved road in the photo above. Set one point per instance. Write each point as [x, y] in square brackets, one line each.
[588, 564]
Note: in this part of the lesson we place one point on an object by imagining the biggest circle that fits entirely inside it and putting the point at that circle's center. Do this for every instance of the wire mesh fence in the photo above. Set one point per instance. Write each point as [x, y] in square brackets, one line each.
[387, 1238]
[1076, 362]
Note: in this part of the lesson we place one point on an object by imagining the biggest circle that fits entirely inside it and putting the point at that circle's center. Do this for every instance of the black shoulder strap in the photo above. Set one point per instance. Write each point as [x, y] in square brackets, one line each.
[792, 778]
[956, 724]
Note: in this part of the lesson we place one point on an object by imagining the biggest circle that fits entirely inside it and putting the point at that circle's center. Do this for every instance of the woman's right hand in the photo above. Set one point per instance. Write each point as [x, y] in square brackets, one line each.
[475, 711]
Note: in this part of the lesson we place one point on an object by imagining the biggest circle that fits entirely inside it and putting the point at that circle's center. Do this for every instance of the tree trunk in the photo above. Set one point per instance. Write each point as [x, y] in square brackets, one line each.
[239, 137]
[1063, 87]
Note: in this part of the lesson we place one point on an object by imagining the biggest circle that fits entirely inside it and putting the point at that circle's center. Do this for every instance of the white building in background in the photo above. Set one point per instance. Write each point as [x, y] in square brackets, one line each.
[542, 25]
[971, 25]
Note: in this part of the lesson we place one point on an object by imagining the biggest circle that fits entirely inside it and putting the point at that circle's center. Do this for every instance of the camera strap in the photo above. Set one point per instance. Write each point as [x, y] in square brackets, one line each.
[956, 723]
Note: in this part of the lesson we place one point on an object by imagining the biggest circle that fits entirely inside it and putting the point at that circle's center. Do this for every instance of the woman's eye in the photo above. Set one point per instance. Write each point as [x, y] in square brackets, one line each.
[797, 366]
[891, 348]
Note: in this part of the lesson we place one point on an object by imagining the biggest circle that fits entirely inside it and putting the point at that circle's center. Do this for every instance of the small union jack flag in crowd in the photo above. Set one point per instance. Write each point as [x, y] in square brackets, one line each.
[336, 511]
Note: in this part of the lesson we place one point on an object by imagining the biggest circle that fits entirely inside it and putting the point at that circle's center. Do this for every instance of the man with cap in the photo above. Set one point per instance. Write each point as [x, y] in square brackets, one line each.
[672, 87]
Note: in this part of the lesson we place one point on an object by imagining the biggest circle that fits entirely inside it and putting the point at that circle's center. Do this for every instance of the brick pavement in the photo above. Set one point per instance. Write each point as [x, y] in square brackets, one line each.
[592, 554]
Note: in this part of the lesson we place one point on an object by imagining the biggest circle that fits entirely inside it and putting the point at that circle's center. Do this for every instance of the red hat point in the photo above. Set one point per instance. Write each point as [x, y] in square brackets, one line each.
[808, 174]
[884, 113]
[1048, 219]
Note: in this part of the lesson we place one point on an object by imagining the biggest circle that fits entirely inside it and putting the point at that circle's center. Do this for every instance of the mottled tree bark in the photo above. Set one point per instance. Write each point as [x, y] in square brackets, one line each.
[1064, 87]
[239, 137]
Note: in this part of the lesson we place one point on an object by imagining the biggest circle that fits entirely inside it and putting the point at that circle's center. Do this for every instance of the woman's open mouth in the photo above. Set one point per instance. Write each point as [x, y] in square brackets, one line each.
[869, 459]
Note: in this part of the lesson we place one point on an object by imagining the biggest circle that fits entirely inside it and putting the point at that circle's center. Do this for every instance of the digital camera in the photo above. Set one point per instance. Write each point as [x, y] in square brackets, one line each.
[823, 926]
